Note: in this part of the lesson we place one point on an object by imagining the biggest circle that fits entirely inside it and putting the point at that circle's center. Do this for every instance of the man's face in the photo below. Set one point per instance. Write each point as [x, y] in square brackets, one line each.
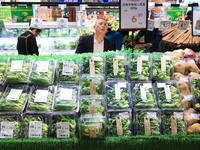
[35, 33]
[101, 26]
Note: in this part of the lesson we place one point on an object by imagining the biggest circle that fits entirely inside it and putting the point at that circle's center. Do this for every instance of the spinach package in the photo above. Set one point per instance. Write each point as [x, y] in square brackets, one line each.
[143, 95]
[35, 126]
[14, 98]
[93, 64]
[3, 64]
[115, 66]
[18, 69]
[162, 68]
[45, 33]
[117, 95]
[119, 123]
[167, 95]
[147, 122]
[52, 32]
[63, 126]
[68, 70]
[195, 85]
[92, 85]
[43, 71]
[41, 99]
[60, 44]
[139, 67]
[66, 98]
[10, 126]
[73, 32]
[72, 45]
[92, 104]
[65, 32]
[92, 126]
[172, 122]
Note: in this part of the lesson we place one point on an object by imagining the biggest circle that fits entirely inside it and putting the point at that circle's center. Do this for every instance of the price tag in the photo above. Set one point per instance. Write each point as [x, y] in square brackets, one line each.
[92, 67]
[143, 93]
[184, 79]
[165, 25]
[63, 129]
[147, 127]
[7, 129]
[147, 85]
[92, 132]
[35, 129]
[168, 92]
[62, 23]
[65, 94]
[161, 85]
[119, 125]
[139, 65]
[194, 116]
[96, 104]
[91, 109]
[151, 115]
[144, 57]
[16, 66]
[14, 94]
[120, 56]
[183, 25]
[96, 58]
[163, 64]
[92, 89]
[117, 92]
[167, 57]
[173, 125]
[115, 66]
[123, 115]
[96, 81]
[42, 66]
[41, 96]
[178, 115]
[188, 97]
[197, 26]
[150, 25]
[122, 84]
[68, 68]
[2, 26]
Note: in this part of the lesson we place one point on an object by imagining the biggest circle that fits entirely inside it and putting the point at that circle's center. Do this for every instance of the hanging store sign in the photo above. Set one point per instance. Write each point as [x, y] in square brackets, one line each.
[196, 22]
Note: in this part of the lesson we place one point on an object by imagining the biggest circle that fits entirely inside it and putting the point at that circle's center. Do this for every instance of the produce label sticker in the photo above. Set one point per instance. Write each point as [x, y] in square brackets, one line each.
[165, 25]
[163, 65]
[68, 68]
[173, 125]
[144, 57]
[197, 26]
[150, 25]
[120, 56]
[147, 85]
[119, 125]
[92, 132]
[122, 84]
[65, 94]
[184, 79]
[161, 85]
[96, 58]
[7, 129]
[14, 94]
[183, 25]
[139, 65]
[123, 115]
[42, 66]
[188, 97]
[117, 92]
[92, 67]
[96, 81]
[194, 116]
[168, 93]
[63, 129]
[147, 127]
[16, 66]
[41, 96]
[178, 115]
[151, 115]
[96, 104]
[91, 109]
[115, 66]
[35, 129]
[143, 93]
[92, 88]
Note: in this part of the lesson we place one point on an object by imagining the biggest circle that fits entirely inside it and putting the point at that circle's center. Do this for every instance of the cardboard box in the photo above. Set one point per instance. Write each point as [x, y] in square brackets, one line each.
[45, 14]
[72, 14]
[56, 14]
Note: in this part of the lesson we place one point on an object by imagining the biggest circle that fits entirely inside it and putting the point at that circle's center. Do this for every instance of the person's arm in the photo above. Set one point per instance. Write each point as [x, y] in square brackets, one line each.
[139, 35]
[156, 40]
[80, 47]
[119, 42]
[34, 46]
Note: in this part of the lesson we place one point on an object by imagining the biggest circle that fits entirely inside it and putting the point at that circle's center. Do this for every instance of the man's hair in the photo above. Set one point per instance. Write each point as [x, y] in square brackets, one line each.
[38, 30]
[98, 20]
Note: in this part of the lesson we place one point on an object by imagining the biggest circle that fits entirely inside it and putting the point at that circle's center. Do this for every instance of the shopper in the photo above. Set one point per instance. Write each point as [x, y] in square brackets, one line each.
[97, 42]
[152, 38]
[27, 44]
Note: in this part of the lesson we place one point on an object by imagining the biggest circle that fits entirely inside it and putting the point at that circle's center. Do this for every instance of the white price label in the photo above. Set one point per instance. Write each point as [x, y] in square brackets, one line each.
[96, 81]
[194, 116]
[167, 57]
[184, 79]
[165, 25]
[139, 65]
[151, 115]
[144, 57]
[41, 96]
[117, 92]
[97, 125]
[120, 56]
[63, 129]
[167, 92]
[65, 94]
[143, 93]
[183, 24]
[178, 115]
[188, 97]
[68, 68]
[197, 26]
[42, 66]
[147, 85]
[161, 85]
[123, 115]
[96, 58]
[35, 129]
[16, 66]
[150, 25]
[14, 94]
[96, 104]
[122, 84]
[163, 64]
[7, 129]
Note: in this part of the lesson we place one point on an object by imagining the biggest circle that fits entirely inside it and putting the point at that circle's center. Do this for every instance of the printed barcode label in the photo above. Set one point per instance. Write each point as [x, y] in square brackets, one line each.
[7, 129]
[68, 68]
[63, 130]
[35, 129]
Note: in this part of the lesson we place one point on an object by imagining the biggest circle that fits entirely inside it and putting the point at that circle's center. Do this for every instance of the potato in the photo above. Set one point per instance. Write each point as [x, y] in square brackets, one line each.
[179, 67]
[189, 120]
[193, 129]
[184, 89]
[193, 74]
[186, 104]
[190, 110]
[192, 67]
[177, 76]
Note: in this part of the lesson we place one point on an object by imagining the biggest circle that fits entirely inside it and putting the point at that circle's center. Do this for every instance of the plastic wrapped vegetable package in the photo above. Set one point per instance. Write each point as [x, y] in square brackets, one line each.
[147, 122]
[114, 119]
[92, 126]
[35, 126]
[18, 69]
[66, 98]
[43, 71]
[162, 68]
[117, 95]
[115, 66]
[92, 104]
[41, 99]
[60, 44]
[139, 67]
[195, 85]
[14, 98]
[143, 95]
[45, 33]
[73, 32]
[65, 32]
[3, 64]
[92, 85]
[167, 94]
[52, 33]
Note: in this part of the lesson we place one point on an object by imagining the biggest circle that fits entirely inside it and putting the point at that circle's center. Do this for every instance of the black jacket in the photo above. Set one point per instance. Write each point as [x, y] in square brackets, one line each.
[31, 44]
[86, 44]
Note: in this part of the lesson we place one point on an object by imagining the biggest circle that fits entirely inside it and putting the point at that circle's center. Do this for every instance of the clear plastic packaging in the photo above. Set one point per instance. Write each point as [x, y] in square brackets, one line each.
[92, 85]
[61, 44]
[44, 33]
[139, 68]
[195, 86]
[11, 32]
[162, 68]
[52, 32]
[1, 90]
[3, 65]
[115, 66]
[41, 99]
[144, 117]
[92, 126]
[115, 118]
[65, 32]
[14, 98]
[92, 104]
[18, 69]
[179, 68]
[143, 95]
[73, 32]
[43, 71]
[66, 98]
[117, 95]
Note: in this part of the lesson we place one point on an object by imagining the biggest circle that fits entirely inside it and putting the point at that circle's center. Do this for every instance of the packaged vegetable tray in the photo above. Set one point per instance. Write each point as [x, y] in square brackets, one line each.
[3, 65]
[195, 86]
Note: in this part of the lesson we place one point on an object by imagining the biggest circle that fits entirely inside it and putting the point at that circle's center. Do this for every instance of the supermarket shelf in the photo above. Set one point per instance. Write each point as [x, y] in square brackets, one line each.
[102, 9]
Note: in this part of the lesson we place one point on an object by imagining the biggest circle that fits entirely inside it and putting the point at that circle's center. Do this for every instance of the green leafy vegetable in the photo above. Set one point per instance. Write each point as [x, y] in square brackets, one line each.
[72, 45]
[65, 32]
[73, 32]
[2, 70]
[60, 45]
[196, 90]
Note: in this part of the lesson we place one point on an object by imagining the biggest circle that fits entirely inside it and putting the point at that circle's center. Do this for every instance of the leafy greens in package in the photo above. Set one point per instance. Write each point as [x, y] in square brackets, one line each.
[3, 64]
